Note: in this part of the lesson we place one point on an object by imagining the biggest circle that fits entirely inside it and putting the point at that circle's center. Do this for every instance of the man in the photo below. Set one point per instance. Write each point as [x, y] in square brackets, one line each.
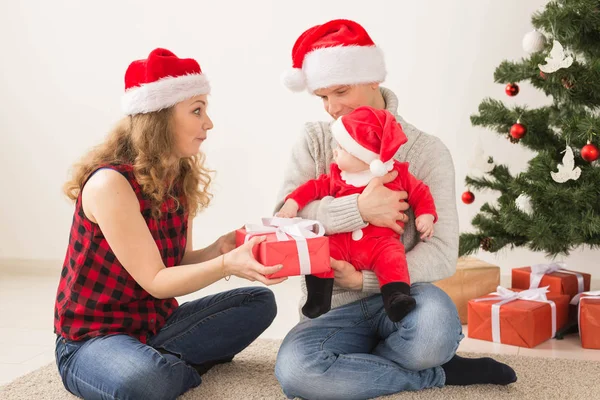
[354, 351]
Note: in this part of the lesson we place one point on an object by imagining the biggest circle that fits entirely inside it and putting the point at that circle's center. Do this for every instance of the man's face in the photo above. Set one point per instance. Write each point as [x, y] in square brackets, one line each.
[342, 99]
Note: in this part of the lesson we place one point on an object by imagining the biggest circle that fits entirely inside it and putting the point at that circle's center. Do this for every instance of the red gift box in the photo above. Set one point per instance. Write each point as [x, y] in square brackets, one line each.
[589, 319]
[291, 242]
[558, 279]
[519, 318]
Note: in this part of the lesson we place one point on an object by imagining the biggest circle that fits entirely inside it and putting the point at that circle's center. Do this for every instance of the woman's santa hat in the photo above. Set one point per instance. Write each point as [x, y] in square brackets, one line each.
[161, 81]
[373, 136]
[339, 52]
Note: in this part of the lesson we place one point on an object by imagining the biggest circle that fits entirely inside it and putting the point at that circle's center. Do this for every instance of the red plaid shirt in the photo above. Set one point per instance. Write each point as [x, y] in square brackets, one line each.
[96, 296]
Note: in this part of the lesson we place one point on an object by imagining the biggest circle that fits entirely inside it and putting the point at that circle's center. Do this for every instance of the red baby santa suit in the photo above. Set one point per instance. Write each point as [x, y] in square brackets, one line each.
[373, 136]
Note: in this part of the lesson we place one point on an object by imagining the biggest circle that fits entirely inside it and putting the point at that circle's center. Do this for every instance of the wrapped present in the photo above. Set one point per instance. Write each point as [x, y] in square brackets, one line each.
[519, 318]
[588, 317]
[555, 276]
[298, 244]
[473, 278]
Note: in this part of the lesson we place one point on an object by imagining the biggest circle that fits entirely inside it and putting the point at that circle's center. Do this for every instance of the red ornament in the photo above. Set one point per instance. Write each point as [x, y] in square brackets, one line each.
[590, 152]
[518, 130]
[542, 75]
[512, 89]
[468, 197]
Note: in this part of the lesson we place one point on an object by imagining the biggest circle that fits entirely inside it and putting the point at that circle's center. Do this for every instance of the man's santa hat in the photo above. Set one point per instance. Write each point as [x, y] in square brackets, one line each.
[339, 52]
[161, 81]
[373, 136]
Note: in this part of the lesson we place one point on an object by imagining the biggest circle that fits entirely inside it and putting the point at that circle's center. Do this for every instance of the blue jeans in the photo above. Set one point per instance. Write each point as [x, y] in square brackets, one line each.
[356, 352]
[119, 366]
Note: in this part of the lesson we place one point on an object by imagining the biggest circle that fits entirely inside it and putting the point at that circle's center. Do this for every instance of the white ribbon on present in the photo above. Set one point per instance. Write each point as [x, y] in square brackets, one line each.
[506, 296]
[296, 229]
[594, 294]
[539, 270]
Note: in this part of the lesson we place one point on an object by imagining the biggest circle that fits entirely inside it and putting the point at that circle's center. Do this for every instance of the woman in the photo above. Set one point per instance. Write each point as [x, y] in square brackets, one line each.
[120, 331]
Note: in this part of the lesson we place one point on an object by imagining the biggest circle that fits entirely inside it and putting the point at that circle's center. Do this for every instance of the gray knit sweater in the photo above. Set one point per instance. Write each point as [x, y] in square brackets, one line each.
[429, 160]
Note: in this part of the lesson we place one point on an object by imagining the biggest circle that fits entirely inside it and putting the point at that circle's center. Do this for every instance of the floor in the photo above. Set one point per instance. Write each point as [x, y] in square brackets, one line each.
[27, 340]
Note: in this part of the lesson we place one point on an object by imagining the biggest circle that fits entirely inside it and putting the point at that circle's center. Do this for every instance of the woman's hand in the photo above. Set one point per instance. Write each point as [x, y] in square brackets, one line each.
[241, 263]
[225, 243]
[346, 276]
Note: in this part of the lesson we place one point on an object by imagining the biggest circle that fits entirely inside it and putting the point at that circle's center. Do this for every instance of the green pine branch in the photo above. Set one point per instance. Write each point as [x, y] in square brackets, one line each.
[576, 22]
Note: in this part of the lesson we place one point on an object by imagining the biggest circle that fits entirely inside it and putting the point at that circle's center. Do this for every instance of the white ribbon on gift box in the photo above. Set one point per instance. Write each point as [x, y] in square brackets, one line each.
[594, 294]
[297, 229]
[506, 296]
[539, 270]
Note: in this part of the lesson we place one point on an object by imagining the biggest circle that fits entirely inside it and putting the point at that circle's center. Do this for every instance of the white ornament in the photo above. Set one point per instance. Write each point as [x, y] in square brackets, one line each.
[523, 203]
[557, 59]
[567, 169]
[479, 161]
[534, 41]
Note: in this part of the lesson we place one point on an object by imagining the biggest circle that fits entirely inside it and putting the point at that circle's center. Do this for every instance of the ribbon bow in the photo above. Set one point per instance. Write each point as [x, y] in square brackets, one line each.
[282, 227]
[297, 229]
[539, 270]
[507, 295]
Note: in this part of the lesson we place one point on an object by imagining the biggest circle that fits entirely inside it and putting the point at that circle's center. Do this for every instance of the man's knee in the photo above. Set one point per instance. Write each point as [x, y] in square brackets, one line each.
[435, 328]
[297, 364]
[288, 369]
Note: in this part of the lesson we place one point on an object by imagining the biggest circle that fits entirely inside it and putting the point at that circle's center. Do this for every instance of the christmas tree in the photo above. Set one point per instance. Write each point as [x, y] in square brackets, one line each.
[554, 205]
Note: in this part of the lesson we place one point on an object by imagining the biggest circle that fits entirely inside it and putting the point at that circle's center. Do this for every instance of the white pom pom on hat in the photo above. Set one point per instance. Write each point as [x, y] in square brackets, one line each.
[294, 79]
[378, 168]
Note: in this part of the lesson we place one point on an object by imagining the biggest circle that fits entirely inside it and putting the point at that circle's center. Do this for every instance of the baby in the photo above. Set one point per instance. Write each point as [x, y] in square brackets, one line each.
[368, 140]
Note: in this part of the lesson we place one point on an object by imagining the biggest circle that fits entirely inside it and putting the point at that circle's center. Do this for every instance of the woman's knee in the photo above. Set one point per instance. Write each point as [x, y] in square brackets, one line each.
[264, 304]
[162, 380]
[436, 328]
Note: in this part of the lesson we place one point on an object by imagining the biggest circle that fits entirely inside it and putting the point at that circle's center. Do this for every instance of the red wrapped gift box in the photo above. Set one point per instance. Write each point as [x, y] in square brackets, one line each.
[589, 319]
[519, 318]
[291, 242]
[555, 276]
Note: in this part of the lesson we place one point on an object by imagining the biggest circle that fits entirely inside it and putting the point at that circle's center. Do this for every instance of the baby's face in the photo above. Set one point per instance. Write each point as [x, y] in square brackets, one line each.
[347, 162]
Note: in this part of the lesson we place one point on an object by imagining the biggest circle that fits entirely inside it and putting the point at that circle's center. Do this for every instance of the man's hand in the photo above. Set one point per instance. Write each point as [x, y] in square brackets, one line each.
[381, 206]
[346, 276]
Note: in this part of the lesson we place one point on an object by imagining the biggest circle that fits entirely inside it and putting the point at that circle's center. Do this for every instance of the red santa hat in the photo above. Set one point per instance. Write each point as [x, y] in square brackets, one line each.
[373, 136]
[161, 81]
[339, 52]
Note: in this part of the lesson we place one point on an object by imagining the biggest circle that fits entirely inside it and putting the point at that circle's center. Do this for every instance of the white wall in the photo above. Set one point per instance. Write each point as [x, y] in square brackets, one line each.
[62, 77]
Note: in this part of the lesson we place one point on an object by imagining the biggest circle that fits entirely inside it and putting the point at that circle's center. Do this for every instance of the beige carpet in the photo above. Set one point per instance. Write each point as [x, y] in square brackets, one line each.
[250, 376]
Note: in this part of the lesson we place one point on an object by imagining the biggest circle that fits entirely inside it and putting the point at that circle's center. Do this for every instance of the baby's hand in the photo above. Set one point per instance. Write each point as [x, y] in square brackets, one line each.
[289, 210]
[424, 224]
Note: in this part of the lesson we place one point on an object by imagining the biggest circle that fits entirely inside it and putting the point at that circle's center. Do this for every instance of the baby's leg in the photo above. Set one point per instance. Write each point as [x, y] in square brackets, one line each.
[389, 264]
[319, 287]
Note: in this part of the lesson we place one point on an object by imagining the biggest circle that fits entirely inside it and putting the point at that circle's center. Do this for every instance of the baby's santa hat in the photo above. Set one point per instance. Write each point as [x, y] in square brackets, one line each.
[161, 81]
[373, 136]
[339, 52]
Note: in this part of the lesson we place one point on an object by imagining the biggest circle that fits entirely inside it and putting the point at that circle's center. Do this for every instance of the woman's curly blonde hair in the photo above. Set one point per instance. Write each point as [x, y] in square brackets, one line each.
[146, 142]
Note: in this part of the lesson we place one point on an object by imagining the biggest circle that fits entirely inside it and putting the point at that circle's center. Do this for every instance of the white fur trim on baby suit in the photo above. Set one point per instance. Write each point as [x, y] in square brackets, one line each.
[343, 65]
[163, 93]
